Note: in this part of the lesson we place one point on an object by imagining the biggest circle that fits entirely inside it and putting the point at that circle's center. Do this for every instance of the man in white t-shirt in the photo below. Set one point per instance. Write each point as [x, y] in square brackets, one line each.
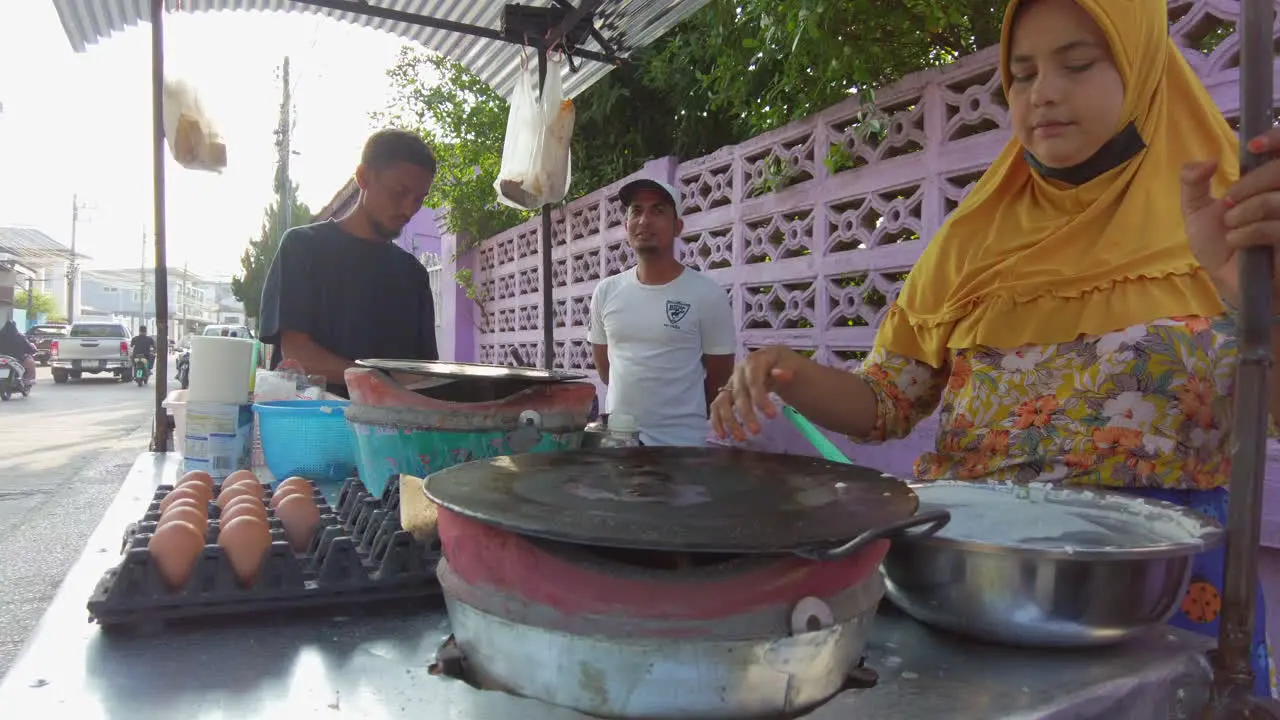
[661, 334]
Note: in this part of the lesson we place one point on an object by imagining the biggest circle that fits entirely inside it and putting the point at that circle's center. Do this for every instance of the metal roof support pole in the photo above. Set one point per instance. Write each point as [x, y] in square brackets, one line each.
[1233, 682]
[548, 298]
[160, 430]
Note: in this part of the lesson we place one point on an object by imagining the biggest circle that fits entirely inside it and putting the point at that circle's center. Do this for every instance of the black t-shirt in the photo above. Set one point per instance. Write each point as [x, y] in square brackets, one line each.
[143, 345]
[356, 298]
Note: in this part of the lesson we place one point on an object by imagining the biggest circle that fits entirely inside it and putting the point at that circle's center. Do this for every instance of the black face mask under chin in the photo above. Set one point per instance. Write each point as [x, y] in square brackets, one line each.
[1115, 152]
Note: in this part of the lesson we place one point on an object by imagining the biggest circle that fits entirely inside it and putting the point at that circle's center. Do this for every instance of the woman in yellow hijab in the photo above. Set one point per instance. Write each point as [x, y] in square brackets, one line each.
[1070, 322]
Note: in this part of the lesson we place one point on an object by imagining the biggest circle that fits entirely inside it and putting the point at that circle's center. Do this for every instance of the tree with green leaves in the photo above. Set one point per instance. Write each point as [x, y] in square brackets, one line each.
[256, 260]
[464, 121]
[41, 303]
[732, 70]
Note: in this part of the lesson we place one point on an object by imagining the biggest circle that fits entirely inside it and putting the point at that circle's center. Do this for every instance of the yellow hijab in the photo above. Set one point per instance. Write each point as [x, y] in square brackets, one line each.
[1024, 262]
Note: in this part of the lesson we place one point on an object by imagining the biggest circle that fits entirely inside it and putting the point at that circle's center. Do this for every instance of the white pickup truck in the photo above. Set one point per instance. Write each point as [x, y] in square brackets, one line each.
[91, 347]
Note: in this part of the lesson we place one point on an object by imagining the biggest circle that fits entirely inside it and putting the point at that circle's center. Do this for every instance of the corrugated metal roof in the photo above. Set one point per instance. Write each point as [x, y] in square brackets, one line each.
[32, 246]
[626, 24]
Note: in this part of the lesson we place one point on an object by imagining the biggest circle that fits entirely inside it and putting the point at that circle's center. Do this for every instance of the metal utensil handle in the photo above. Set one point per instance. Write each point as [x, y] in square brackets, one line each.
[934, 520]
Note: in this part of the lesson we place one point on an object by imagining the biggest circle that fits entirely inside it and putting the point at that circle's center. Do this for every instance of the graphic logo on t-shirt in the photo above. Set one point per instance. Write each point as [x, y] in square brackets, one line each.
[676, 311]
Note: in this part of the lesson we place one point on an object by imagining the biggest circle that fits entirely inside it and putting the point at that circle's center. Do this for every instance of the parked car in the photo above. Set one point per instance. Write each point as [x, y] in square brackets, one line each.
[239, 331]
[42, 336]
[91, 347]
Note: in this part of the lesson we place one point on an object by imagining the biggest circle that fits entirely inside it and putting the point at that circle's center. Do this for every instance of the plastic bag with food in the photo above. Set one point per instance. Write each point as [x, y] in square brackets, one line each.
[193, 139]
[525, 127]
[553, 169]
[535, 155]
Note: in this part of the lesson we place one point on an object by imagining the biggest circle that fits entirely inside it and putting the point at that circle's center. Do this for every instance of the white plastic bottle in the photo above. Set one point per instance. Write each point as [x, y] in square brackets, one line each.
[622, 432]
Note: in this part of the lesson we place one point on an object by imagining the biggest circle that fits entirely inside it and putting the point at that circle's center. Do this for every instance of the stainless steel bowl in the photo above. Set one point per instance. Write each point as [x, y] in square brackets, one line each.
[1046, 596]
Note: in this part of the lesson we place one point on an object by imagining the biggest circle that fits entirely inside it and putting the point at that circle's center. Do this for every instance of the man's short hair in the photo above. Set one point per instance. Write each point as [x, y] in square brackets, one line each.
[390, 146]
[142, 328]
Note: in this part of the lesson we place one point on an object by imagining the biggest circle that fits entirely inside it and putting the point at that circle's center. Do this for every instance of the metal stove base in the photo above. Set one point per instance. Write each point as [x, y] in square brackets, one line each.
[660, 678]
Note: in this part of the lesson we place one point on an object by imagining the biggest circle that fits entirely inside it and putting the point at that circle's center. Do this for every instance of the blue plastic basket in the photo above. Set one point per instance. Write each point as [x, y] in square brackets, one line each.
[307, 438]
[385, 451]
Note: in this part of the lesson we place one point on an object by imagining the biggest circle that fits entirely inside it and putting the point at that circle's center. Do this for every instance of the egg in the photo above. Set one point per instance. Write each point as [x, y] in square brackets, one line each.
[187, 502]
[175, 548]
[231, 493]
[253, 486]
[184, 513]
[279, 495]
[245, 540]
[247, 499]
[198, 476]
[199, 488]
[243, 505]
[189, 492]
[237, 477]
[300, 517]
[301, 483]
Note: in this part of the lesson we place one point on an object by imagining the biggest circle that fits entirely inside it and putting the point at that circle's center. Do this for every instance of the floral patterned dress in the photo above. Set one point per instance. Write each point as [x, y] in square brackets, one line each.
[1146, 409]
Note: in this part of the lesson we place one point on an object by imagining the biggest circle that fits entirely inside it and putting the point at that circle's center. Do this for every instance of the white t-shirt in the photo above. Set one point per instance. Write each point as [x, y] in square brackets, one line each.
[657, 335]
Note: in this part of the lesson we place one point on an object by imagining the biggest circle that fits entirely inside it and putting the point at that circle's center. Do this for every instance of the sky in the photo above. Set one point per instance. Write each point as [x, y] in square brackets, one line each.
[79, 125]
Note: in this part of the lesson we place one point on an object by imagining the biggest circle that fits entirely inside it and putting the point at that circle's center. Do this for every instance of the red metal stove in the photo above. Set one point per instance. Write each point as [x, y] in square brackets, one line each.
[662, 582]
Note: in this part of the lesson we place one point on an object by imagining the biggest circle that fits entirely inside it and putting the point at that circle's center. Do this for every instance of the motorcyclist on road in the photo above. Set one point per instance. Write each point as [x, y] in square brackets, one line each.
[143, 345]
[16, 345]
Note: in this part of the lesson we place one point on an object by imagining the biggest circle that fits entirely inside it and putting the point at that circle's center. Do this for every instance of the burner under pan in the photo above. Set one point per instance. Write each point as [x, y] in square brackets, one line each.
[642, 634]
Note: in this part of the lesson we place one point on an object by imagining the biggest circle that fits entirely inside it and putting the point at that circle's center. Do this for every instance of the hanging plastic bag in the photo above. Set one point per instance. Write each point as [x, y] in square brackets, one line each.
[535, 155]
[554, 158]
[525, 127]
[192, 137]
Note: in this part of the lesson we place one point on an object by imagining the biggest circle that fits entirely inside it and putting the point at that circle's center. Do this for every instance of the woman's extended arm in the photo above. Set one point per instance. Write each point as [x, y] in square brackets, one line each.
[882, 399]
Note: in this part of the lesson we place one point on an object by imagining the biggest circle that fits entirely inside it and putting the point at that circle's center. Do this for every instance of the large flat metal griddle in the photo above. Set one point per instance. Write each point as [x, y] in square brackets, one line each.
[675, 499]
[470, 371]
[469, 382]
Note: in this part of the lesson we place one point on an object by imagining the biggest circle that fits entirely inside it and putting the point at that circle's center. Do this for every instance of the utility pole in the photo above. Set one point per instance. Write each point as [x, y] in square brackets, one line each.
[73, 267]
[142, 281]
[182, 304]
[283, 137]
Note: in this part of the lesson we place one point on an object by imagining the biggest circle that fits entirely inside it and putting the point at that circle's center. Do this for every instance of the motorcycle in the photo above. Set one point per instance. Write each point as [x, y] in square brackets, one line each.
[13, 378]
[141, 370]
[184, 369]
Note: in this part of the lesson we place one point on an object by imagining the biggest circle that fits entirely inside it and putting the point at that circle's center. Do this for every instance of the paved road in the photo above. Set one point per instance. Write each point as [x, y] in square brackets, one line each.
[63, 453]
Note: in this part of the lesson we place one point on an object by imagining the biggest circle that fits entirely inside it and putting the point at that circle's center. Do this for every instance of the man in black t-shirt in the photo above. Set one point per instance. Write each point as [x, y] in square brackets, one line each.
[343, 291]
[143, 345]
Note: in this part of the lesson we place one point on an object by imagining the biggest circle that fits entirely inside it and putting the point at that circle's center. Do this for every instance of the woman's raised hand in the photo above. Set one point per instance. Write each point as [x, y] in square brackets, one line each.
[738, 404]
[1247, 215]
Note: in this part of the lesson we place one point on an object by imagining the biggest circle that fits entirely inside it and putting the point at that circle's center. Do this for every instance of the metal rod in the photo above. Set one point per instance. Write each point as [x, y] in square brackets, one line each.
[1232, 694]
[160, 431]
[408, 18]
[548, 299]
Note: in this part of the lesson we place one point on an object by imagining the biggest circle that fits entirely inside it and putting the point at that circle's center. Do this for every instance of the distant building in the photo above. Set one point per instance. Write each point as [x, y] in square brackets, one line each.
[128, 296]
[230, 310]
[41, 263]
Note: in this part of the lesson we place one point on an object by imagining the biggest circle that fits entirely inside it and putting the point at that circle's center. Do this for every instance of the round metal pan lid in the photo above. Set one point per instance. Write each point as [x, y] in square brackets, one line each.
[471, 371]
[675, 499]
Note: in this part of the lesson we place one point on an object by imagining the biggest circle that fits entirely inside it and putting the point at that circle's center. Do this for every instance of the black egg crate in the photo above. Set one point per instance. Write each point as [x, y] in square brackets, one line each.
[358, 554]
